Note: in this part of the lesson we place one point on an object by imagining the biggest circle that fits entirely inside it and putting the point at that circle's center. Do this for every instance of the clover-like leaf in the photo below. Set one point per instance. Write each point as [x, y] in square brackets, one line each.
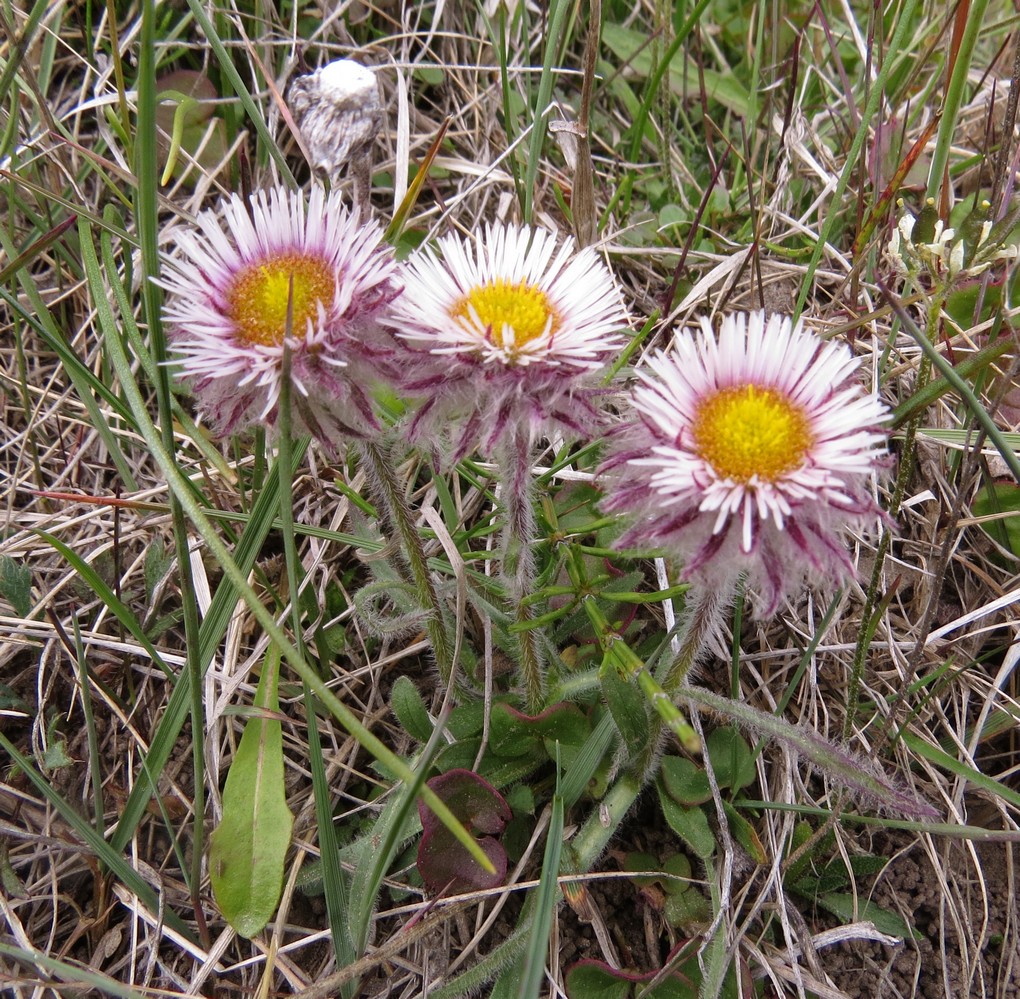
[516, 734]
[445, 866]
[686, 782]
[732, 758]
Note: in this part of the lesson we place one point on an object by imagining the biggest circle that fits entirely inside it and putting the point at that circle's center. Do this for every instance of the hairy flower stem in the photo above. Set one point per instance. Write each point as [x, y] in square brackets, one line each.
[397, 520]
[702, 612]
[518, 564]
[864, 779]
[601, 825]
[704, 607]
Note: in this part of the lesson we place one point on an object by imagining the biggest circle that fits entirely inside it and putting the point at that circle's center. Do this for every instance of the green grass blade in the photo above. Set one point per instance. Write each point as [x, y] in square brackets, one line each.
[334, 880]
[996, 788]
[69, 975]
[949, 125]
[557, 17]
[548, 895]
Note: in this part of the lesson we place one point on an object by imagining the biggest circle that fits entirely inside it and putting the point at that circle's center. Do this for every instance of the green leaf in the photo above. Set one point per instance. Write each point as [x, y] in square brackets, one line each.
[687, 908]
[514, 733]
[596, 981]
[628, 706]
[842, 905]
[521, 800]
[55, 757]
[686, 782]
[433, 76]
[690, 824]
[248, 848]
[999, 499]
[631, 46]
[637, 860]
[731, 758]
[157, 564]
[743, 832]
[10, 883]
[16, 585]
[802, 832]
[410, 709]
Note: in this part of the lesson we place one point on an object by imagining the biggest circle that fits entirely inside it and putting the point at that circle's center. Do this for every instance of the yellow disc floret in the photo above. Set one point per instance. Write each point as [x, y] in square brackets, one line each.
[258, 296]
[749, 431]
[520, 309]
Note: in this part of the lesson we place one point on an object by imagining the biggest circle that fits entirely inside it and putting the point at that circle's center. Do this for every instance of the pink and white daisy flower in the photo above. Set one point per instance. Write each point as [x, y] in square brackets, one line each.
[752, 454]
[230, 285]
[507, 333]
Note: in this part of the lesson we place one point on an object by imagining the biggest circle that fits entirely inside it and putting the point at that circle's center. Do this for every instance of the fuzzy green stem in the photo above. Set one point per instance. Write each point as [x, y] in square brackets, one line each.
[602, 823]
[703, 608]
[631, 667]
[834, 761]
[518, 564]
[704, 605]
[398, 519]
[703, 611]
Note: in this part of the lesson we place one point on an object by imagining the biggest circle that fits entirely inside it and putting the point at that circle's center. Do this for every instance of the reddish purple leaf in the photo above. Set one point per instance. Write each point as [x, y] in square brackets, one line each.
[445, 866]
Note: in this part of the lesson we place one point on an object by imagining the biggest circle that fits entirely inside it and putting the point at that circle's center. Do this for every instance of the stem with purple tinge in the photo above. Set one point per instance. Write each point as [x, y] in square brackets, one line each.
[397, 519]
[518, 564]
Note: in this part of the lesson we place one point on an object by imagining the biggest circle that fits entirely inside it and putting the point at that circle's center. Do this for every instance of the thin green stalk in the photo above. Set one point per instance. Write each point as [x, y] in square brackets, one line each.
[398, 516]
[146, 211]
[334, 886]
[953, 100]
[805, 742]
[90, 728]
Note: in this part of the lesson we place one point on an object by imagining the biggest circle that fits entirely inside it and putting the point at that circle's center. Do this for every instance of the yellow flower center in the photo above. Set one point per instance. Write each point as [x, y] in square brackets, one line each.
[257, 299]
[750, 431]
[522, 307]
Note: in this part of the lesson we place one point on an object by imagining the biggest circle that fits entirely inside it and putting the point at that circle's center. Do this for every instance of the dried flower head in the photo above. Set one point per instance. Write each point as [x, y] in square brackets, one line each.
[254, 282]
[507, 333]
[338, 110]
[750, 454]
